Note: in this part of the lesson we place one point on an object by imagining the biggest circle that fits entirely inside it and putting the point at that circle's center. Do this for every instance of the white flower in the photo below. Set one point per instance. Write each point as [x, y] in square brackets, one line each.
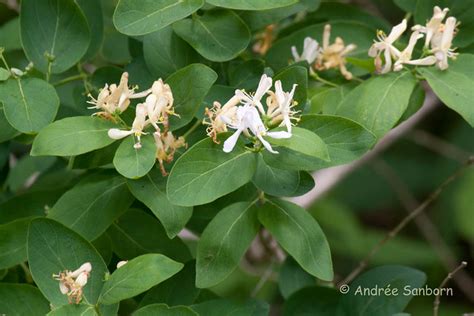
[406, 54]
[433, 25]
[72, 283]
[248, 119]
[218, 116]
[385, 45]
[310, 51]
[121, 263]
[281, 110]
[263, 86]
[138, 125]
[441, 48]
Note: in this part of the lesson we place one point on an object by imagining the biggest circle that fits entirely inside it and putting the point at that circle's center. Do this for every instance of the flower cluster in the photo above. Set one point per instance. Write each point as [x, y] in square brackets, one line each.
[438, 42]
[72, 283]
[155, 111]
[244, 112]
[326, 57]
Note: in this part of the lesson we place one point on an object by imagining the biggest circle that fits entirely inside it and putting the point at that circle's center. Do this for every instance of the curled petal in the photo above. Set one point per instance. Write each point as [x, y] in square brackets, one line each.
[82, 279]
[279, 135]
[266, 145]
[116, 133]
[397, 31]
[230, 142]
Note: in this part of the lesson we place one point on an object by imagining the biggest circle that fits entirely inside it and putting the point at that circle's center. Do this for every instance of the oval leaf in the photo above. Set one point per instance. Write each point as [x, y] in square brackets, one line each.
[133, 162]
[138, 18]
[224, 242]
[151, 191]
[305, 142]
[300, 235]
[79, 207]
[379, 102]
[165, 52]
[13, 242]
[137, 276]
[204, 173]
[29, 104]
[72, 136]
[22, 299]
[57, 28]
[73, 309]
[190, 86]
[454, 85]
[53, 248]
[251, 4]
[218, 35]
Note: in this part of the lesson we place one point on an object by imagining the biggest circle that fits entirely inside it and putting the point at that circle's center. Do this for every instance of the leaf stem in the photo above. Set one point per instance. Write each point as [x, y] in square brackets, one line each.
[69, 79]
[3, 59]
[443, 284]
[192, 128]
[432, 197]
[316, 77]
[28, 276]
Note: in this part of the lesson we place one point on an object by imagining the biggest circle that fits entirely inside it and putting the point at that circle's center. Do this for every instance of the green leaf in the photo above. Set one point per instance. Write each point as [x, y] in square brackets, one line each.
[205, 172]
[140, 18]
[224, 242]
[245, 74]
[345, 139]
[251, 4]
[295, 75]
[73, 309]
[57, 28]
[22, 299]
[164, 310]
[224, 307]
[292, 278]
[166, 53]
[280, 182]
[361, 35]
[218, 35]
[137, 276]
[151, 191]
[454, 85]
[189, 85]
[379, 102]
[103, 194]
[4, 74]
[7, 132]
[92, 11]
[398, 277]
[29, 104]
[10, 35]
[26, 168]
[137, 233]
[259, 19]
[53, 248]
[300, 235]
[177, 290]
[321, 301]
[305, 142]
[72, 136]
[13, 242]
[327, 100]
[134, 163]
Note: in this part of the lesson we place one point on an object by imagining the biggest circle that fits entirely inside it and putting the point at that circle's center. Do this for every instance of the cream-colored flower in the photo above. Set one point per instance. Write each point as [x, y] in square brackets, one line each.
[433, 25]
[334, 55]
[166, 146]
[441, 45]
[406, 54]
[385, 45]
[280, 106]
[255, 99]
[72, 283]
[310, 51]
[121, 263]
[160, 104]
[218, 116]
[138, 125]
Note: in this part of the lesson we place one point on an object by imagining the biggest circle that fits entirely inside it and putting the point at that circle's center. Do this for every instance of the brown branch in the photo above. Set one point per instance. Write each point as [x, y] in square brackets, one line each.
[431, 198]
[443, 284]
[426, 227]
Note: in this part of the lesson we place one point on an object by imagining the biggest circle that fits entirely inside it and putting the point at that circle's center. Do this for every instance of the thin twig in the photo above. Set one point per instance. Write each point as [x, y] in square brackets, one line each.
[426, 227]
[432, 197]
[69, 79]
[443, 284]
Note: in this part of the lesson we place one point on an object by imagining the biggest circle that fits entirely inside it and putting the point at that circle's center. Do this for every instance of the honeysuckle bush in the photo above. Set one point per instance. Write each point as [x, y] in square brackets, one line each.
[135, 125]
